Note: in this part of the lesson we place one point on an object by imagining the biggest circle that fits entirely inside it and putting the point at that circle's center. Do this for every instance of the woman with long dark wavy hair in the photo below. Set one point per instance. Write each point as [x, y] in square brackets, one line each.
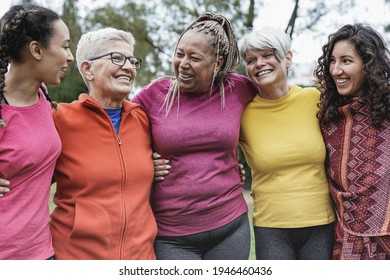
[353, 74]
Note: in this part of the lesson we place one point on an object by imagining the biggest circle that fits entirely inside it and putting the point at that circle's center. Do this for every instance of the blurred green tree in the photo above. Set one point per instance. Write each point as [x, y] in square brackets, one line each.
[72, 85]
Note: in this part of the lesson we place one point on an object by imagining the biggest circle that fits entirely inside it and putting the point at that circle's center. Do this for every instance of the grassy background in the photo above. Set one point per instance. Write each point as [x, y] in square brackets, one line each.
[52, 191]
[249, 201]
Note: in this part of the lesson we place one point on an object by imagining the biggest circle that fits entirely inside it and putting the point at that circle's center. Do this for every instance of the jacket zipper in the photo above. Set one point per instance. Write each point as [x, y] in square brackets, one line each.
[124, 177]
[124, 206]
[123, 198]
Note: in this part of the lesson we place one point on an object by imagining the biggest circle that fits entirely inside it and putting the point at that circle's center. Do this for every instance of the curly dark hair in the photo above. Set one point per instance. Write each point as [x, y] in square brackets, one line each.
[19, 26]
[371, 47]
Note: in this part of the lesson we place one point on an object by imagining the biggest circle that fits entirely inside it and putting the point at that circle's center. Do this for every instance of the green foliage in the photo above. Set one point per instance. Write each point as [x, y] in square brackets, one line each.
[131, 17]
[73, 84]
[157, 25]
[70, 88]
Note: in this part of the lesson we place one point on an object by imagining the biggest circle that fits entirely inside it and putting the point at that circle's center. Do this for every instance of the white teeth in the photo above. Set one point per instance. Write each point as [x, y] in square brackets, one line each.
[341, 81]
[124, 78]
[185, 75]
[261, 73]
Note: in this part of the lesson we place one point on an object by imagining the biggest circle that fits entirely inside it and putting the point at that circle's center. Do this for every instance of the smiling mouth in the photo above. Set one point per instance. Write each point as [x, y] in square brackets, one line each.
[262, 73]
[63, 70]
[124, 78]
[185, 76]
[341, 81]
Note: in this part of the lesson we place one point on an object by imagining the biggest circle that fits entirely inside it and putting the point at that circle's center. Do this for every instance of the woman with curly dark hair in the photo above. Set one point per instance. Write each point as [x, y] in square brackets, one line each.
[354, 78]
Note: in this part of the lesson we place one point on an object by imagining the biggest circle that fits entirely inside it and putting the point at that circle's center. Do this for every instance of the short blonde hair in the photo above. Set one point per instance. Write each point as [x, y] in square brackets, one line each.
[97, 42]
[265, 38]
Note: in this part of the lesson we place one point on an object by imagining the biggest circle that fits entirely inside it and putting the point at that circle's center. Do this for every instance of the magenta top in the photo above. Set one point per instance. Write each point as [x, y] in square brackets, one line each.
[203, 190]
[29, 147]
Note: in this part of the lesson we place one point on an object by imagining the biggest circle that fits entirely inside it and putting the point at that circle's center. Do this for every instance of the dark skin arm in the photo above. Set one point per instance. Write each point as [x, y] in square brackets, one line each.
[161, 168]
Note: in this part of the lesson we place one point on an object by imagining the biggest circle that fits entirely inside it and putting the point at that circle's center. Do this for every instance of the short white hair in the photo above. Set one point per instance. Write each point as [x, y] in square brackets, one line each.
[265, 38]
[95, 43]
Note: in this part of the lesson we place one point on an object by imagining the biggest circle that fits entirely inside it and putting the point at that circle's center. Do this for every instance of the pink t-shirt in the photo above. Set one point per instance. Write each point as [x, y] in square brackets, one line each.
[29, 147]
[203, 190]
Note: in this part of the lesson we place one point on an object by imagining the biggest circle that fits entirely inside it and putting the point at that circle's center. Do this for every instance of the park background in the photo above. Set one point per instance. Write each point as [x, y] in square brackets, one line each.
[157, 24]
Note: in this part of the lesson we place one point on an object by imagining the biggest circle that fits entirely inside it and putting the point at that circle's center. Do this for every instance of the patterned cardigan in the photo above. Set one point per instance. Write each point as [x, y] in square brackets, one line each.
[358, 168]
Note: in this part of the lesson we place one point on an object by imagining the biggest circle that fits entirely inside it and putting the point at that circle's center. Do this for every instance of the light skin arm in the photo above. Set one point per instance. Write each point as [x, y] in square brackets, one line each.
[4, 187]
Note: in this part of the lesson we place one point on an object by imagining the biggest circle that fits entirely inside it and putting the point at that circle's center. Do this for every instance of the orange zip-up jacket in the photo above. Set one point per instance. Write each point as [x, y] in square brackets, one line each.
[103, 184]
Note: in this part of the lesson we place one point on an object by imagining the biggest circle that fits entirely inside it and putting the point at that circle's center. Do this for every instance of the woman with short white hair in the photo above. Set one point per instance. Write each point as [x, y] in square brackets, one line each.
[282, 142]
[105, 171]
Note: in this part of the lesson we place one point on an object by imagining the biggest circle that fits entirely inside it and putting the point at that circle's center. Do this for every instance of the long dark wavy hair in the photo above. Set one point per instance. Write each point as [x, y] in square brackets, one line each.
[18, 27]
[372, 48]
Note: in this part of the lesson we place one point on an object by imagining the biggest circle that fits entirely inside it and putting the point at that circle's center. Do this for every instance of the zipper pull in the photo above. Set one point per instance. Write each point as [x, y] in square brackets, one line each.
[119, 139]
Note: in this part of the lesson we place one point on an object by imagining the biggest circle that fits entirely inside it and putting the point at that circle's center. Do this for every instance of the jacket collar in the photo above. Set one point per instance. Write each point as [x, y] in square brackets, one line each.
[88, 101]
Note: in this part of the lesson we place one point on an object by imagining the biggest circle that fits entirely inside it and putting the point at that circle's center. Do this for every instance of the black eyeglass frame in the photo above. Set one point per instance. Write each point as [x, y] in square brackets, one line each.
[136, 65]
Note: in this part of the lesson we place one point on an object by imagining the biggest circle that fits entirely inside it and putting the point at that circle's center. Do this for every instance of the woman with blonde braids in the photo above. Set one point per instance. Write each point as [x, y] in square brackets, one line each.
[195, 116]
[34, 41]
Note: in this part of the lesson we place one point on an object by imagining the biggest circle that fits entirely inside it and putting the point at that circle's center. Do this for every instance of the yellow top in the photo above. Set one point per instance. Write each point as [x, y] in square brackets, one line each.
[282, 142]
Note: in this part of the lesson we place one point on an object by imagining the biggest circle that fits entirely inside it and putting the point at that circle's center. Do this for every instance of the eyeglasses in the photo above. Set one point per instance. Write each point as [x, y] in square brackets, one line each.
[120, 59]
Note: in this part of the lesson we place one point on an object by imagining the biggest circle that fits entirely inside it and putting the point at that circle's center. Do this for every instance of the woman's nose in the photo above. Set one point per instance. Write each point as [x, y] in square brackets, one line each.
[336, 70]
